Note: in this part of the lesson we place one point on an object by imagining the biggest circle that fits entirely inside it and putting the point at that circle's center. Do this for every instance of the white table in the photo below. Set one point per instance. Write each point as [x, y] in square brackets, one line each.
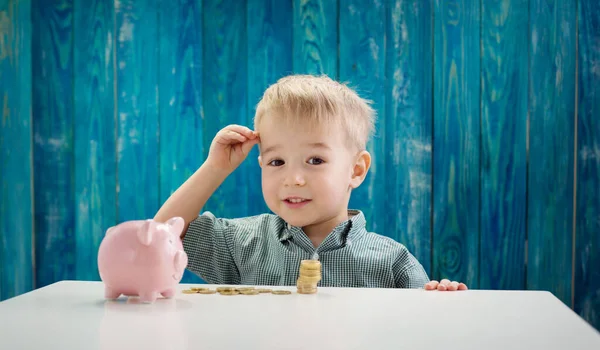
[74, 315]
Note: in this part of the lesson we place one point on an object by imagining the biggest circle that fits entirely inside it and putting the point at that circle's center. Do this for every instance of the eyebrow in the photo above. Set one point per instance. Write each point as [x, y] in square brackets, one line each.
[313, 145]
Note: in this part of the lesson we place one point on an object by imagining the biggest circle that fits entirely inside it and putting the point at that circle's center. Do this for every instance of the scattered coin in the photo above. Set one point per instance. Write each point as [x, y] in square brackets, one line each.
[225, 289]
[244, 288]
[264, 290]
[188, 291]
[231, 292]
[207, 291]
[281, 292]
[249, 292]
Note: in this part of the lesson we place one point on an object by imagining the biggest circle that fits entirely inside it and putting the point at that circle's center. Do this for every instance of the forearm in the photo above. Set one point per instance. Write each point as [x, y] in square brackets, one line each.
[190, 197]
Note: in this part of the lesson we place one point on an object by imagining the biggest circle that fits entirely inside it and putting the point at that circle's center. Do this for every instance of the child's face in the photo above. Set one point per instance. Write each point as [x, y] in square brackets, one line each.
[307, 173]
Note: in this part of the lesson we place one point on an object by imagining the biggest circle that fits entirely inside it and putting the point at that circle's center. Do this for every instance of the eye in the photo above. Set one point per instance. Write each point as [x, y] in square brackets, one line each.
[316, 161]
[170, 240]
[276, 162]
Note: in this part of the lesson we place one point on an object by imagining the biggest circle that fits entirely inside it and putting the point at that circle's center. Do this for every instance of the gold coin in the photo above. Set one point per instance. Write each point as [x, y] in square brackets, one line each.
[310, 273]
[308, 279]
[198, 288]
[244, 289]
[310, 264]
[281, 292]
[225, 289]
[231, 292]
[307, 291]
[249, 292]
[188, 291]
[301, 283]
[207, 291]
[264, 290]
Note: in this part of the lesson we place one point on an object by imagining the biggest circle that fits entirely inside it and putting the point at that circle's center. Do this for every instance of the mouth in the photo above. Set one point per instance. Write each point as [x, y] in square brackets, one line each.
[296, 202]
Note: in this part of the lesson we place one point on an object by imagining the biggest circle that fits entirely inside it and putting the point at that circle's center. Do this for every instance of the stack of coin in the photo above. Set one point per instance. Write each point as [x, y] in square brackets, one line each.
[309, 276]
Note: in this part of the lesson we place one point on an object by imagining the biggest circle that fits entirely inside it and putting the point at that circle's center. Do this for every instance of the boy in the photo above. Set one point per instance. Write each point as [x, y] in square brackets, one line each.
[312, 134]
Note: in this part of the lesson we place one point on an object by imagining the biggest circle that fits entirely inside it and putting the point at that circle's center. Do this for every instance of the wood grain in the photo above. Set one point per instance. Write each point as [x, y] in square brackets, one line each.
[94, 125]
[456, 141]
[225, 95]
[504, 73]
[587, 238]
[408, 128]
[315, 37]
[180, 96]
[137, 109]
[52, 113]
[16, 190]
[362, 67]
[551, 138]
[269, 58]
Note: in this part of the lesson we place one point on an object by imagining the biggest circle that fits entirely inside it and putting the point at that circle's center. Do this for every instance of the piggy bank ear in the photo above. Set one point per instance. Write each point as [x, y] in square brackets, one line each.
[144, 234]
[176, 224]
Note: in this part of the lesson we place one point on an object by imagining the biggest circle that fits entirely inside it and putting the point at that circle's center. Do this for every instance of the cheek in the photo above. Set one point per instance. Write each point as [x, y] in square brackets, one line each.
[269, 186]
[334, 182]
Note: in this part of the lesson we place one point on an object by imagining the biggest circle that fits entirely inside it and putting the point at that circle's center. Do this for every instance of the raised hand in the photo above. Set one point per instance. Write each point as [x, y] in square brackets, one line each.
[230, 147]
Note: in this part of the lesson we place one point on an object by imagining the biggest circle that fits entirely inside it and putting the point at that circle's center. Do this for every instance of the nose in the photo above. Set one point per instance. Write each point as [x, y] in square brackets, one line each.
[295, 178]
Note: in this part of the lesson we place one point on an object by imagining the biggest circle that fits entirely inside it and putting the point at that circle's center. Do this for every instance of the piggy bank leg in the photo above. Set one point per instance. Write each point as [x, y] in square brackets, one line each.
[169, 293]
[148, 297]
[111, 293]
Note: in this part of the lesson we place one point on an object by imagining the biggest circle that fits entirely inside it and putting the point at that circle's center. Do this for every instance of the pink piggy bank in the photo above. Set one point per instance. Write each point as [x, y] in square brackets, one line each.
[142, 258]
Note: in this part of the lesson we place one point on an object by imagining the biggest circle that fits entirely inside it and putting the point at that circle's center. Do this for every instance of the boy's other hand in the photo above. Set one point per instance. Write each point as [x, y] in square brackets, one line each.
[445, 285]
[230, 147]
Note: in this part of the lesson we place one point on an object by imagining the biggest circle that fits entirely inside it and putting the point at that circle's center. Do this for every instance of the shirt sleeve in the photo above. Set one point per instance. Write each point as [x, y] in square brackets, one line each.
[408, 272]
[208, 244]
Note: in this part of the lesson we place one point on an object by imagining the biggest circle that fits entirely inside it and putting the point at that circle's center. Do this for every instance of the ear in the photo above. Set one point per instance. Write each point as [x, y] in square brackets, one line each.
[177, 224]
[360, 169]
[144, 234]
[260, 164]
[110, 230]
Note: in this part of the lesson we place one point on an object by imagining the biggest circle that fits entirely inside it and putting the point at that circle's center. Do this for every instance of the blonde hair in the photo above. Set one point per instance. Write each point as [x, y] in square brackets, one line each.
[317, 100]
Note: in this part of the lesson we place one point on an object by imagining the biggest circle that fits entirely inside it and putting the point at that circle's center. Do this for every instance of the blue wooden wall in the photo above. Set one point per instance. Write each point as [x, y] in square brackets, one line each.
[486, 156]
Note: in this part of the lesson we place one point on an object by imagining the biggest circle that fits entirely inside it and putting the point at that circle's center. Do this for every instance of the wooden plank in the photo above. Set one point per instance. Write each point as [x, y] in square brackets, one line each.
[362, 66]
[315, 34]
[456, 141]
[137, 146]
[16, 211]
[180, 96]
[52, 69]
[94, 125]
[269, 58]
[587, 238]
[504, 71]
[551, 138]
[408, 128]
[224, 94]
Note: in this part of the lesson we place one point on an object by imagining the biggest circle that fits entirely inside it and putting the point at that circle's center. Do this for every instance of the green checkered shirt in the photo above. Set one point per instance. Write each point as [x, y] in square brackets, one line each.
[265, 250]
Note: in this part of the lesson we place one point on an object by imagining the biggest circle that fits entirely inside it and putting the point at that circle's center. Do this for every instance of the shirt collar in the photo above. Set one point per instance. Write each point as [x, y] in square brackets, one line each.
[342, 235]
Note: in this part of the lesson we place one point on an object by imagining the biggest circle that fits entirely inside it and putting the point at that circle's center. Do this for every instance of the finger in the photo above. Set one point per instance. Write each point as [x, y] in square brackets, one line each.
[247, 146]
[242, 130]
[230, 135]
[453, 286]
[462, 286]
[432, 285]
[445, 282]
[441, 287]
